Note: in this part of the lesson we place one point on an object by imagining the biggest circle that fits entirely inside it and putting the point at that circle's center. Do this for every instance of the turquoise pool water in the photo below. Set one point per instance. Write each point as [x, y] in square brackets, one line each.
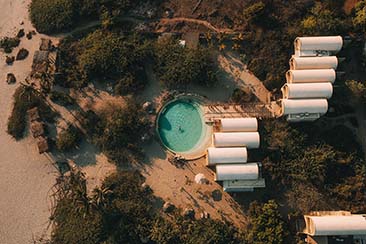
[181, 126]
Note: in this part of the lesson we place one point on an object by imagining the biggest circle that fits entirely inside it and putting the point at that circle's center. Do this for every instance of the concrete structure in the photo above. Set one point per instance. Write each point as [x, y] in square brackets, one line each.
[300, 63]
[307, 90]
[248, 171]
[311, 76]
[250, 140]
[238, 124]
[226, 155]
[299, 106]
[335, 227]
[319, 43]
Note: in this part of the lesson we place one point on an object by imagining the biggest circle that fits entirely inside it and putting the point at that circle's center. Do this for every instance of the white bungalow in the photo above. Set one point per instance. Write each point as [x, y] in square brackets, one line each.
[250, 140]
[248, 171]
[317, 45]
[304, 106]
[226, 155]
[307, 90]
[328, 227]
[238, 124]
[300, 63]
[311, 76]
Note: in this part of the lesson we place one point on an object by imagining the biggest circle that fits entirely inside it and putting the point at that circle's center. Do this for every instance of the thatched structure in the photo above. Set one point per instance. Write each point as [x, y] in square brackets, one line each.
[33, 114]
[46, 44]
[37, 129]
[40, 62]
[42, 144]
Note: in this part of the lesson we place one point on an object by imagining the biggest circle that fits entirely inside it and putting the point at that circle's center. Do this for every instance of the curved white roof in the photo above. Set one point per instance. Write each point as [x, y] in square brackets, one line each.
[239, 124]
[298, 63]
[335, 225]
[236, 139]
[226, 155]
[249, 171]
[307, 90]
[311, 75]
[299, 106]
[322, 43]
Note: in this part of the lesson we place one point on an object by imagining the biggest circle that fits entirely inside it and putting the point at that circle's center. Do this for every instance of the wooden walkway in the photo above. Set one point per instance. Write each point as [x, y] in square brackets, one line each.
[258, 110]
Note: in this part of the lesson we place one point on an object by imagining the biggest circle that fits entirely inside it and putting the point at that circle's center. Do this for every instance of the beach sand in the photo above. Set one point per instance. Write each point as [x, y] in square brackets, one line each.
[25, 176]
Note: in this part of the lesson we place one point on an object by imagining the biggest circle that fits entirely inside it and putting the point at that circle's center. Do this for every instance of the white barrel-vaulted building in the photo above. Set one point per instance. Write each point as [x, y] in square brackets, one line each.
[307, 90]
[238, 124]
[321, 43]
[304, 106]
[226, 155]
[335, 225]
[248, 171]
[300, 63]
[251, 140]
[311, 76]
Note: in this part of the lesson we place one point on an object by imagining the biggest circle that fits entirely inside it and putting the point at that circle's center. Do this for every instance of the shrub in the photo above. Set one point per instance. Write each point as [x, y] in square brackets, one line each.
[61, 98]
[179, 66]
[26, 97]
[68, 139]
[53, 15]
[266, 224]
[8, 43]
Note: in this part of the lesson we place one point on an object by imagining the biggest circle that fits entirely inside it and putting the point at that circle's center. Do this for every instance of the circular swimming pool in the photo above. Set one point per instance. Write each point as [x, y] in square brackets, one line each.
[181, 126]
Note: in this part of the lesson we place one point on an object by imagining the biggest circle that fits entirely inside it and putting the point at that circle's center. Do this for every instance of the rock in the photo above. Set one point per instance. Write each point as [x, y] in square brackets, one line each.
[9, 60]
[20, 33]
[189, 213]
[21, 23]
[168, 207]
[216, 195]
[200, 179]
[145, 187]
[22, 54]
[205, 215]
[10, 78]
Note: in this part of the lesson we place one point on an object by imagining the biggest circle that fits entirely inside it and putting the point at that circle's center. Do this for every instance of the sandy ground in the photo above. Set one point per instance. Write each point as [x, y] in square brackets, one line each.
[25, 176]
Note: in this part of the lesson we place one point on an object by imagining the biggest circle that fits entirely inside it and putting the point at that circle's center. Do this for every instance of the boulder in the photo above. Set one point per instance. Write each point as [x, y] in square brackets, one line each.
[9, 60]
[168, 207]
[10, 78]
[22, 54]
[189, 213]
[200, 179]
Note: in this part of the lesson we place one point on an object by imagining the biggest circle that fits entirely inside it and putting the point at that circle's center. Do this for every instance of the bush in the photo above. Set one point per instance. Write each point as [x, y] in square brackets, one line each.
[178, 66]
[8, 43]
[61, 98]
[25, 97]
[266, 224]
[68, 139]
[50, 16]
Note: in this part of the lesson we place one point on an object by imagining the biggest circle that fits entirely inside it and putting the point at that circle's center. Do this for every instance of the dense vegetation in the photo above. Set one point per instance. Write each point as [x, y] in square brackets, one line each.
[121, 211]
[104, 56]
[26, 97]
[316, 168]
[271, 27]
[68, 139]
[178, 66]
[8, 43]
[50, 16]
[118, 131]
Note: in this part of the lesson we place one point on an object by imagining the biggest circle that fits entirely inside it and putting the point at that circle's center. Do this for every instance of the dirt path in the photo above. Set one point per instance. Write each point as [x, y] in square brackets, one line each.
[208, 25]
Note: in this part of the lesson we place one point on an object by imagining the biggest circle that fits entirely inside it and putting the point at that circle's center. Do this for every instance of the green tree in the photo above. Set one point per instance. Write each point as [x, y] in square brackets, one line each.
[53, 15]
[266, 224]
[254, 13]
[358, 89]
[68, 139]
[359, 20]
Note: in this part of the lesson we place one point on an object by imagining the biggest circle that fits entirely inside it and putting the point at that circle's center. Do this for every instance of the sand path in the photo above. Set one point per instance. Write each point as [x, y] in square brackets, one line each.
[25, 176]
